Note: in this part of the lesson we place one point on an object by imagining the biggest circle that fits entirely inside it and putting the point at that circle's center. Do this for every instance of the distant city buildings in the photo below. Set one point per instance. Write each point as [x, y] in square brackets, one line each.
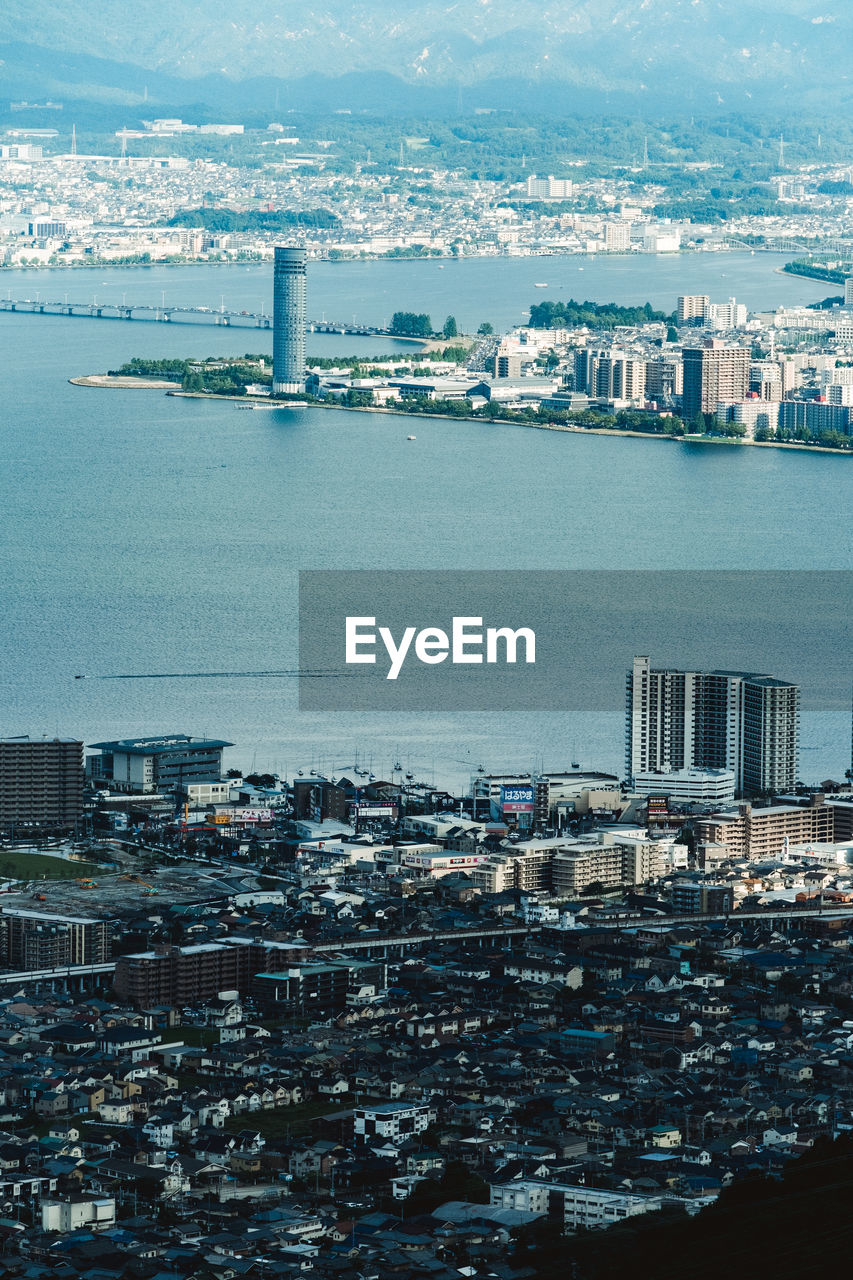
[713, 719]
[808, 416]
[664, 378]
[506, 365]
[665, 239]
[698, 309]
[753, 415]
[21, 151]
[575, 1208]
[565, 867]
[617, 236]
[762, 833]
[549, 188]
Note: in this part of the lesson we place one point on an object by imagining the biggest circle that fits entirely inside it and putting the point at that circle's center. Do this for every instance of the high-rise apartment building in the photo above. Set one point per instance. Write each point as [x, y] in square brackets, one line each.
[184, 975]
[610, 375]
[814, 416]
[41, 782]
[43, 940]
[734, 720]
[506, 364]
[617, 236]
[765, 379]
[713, 374]
[727, 315]
[692, 308]
[290, 271]
[664, 378]
[751, 414]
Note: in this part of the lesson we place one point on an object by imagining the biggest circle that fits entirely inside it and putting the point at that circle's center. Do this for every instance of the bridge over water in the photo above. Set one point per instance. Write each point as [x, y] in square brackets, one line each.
[164, 314]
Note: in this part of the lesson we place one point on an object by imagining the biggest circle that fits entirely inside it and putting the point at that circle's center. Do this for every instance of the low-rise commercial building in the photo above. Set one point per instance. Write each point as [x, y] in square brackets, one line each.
[688, 786]
[78, 1211]
[155, 764]
[576, 1206]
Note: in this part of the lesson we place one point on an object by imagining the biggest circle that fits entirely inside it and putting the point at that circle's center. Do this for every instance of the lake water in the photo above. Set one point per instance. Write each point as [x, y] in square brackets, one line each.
[143, 533]
[473, 289]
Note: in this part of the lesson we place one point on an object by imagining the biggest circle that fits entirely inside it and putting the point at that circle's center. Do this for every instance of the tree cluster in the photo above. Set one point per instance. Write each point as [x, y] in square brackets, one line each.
[411, 324]
[593, 315]
[254, 219]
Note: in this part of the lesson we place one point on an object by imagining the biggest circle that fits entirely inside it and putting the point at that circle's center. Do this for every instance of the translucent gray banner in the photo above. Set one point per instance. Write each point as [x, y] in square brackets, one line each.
[447, 640]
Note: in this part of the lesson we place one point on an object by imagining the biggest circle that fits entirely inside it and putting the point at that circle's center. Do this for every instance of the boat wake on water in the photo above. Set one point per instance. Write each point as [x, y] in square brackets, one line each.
[229, 675]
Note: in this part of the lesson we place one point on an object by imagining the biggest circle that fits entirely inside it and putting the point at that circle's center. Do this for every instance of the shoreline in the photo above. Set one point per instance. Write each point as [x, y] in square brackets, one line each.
[122, 382]
[802, 275]
[105, 381]
[107, 264]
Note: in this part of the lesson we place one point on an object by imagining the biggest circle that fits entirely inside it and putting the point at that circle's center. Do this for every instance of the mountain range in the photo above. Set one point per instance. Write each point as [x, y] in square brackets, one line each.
[706, 54]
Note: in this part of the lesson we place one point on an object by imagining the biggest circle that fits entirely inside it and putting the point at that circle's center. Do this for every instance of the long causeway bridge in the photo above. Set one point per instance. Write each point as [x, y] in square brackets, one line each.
[167, 314]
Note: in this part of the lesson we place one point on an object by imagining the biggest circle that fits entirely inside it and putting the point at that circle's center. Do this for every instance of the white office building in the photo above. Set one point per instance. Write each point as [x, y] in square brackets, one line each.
[688, 786]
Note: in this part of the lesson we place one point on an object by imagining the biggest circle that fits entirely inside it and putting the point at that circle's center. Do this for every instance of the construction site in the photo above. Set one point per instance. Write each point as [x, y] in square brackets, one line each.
[119, 893]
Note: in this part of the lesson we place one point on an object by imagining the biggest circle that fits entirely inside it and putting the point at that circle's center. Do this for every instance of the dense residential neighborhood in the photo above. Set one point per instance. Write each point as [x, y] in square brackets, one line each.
[391, 1040]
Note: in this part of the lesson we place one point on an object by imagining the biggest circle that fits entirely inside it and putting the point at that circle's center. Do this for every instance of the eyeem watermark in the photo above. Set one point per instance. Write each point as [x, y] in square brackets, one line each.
[466, 643]
[548, 640]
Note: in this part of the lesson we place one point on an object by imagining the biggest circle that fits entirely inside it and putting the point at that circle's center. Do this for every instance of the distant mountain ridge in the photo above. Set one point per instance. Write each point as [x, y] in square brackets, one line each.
[720, 52]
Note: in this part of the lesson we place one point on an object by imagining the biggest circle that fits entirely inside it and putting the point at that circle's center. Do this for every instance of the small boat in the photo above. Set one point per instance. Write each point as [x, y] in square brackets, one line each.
[411, 437]
[540, 286]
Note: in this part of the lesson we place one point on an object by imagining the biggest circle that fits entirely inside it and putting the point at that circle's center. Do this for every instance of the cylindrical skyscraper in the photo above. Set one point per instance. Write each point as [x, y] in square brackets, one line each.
[288, 349]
